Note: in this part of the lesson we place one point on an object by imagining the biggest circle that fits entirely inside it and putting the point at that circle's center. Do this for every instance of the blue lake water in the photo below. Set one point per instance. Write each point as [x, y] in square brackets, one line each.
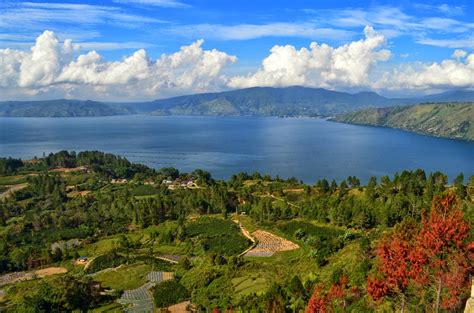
[307, 149]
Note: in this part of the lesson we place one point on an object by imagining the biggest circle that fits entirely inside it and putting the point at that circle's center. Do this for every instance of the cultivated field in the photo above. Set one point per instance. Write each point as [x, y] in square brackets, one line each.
[141, 299]
[20, 276]
[268, 244]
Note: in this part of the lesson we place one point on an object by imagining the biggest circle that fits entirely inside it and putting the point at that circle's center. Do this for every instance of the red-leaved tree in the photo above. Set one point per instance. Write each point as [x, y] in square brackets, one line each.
[442, 253]
[394, 264]
[438, 257]
[324, 301]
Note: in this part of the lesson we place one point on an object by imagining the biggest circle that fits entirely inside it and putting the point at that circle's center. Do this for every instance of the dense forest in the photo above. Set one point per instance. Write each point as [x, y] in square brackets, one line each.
[400, 243]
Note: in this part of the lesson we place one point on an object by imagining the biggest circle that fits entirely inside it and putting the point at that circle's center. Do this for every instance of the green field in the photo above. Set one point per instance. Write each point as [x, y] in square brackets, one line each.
[13, 180]
[217, 235]
[124, 277]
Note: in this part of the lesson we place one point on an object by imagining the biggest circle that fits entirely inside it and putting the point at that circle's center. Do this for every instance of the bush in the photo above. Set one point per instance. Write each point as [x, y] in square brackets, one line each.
[217, 235]
[104, 261]
[169, 292]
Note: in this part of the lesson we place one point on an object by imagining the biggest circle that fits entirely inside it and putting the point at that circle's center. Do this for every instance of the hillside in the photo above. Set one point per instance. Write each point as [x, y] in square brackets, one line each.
[60, 108]
[442, 120]
[257, 101]
[267, 101]
[93, 232]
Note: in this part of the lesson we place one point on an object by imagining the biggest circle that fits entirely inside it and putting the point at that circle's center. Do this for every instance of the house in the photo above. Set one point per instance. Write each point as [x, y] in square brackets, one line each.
[118, 181]
[167, 182]
[82, 260]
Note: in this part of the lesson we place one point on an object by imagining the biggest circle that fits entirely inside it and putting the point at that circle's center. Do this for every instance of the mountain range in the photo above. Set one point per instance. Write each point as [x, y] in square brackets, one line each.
[258, 101]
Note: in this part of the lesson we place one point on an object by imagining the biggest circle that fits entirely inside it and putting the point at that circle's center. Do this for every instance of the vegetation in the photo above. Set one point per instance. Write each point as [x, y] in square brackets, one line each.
[60, 108]
[450, 120]
[169, 292]
[217, 235]
[399, 242]
[260, 101]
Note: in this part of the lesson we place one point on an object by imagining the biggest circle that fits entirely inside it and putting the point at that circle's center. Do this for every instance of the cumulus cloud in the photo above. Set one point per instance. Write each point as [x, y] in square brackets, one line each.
[449, 73]
[51, 65]
[53, 68]
[321, 65]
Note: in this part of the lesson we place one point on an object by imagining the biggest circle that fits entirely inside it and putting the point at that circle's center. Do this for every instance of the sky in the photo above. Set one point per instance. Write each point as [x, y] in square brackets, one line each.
[133, 50]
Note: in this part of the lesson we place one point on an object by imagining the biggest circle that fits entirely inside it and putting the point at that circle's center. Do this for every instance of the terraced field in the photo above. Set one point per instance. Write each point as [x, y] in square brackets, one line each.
[141, 299]
[268, 244]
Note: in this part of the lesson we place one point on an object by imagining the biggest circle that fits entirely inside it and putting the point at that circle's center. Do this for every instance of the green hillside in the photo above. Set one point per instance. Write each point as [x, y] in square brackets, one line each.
[442, 119]
[60, 108]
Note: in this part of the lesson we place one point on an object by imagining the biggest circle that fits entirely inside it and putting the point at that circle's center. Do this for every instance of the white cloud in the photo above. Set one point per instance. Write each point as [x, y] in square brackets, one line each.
[157, 3]
[448, 43]
[447, 74]
[458, 54]
[51, 66]
[252, 31]
[320, 65]
[35, 15]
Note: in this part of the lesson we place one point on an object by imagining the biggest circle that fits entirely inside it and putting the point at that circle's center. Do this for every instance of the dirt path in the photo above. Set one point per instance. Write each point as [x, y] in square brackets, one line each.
[247, 235]
[12, 189]
[180, 307]
[14, 277]
[50, 271]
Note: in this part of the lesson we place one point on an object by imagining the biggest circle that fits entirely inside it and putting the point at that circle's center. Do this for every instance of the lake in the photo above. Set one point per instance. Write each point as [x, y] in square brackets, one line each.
[308, 149]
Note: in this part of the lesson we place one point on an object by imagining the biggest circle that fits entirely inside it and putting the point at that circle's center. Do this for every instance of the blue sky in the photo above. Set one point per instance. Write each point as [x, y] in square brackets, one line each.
[415, 33]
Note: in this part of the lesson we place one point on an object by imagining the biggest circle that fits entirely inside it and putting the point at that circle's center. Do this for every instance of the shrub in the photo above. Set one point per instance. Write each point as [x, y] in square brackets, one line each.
[169, 292]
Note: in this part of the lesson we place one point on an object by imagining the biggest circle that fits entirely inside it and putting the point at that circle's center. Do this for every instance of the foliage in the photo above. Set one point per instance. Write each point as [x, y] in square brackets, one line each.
[451, 120]
[169, 292]
[217, 235]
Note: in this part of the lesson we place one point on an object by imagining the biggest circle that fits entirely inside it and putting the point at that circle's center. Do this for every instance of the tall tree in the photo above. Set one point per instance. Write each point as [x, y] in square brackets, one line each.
[444, 248]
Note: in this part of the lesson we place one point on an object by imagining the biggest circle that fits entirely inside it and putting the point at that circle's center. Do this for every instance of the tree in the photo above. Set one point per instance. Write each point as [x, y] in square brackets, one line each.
[394, 264]
[444, 252]
[335, 297]
[125, 244]
[438, 257]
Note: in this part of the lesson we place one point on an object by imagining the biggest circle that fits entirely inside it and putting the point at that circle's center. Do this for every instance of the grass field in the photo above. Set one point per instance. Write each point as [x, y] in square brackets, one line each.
[108, 308]
[246, 285]
[13, 180]
[124, 277]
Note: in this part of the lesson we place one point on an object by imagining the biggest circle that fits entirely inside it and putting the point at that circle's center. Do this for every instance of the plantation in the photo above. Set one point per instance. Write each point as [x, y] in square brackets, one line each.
[168, 293]
[323, 241]
[217, 235]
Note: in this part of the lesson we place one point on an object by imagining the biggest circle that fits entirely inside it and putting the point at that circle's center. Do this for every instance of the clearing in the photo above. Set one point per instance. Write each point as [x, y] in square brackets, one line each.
[12, 189]
[268, 244]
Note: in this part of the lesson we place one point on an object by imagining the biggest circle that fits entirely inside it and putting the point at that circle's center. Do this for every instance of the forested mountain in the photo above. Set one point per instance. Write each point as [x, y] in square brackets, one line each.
[441, 119]
[268, 101]
[260, 101]
[60, 108]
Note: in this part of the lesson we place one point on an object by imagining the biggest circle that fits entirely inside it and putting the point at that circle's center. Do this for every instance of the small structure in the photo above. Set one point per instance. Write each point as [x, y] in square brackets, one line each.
[83, 260]
[167, 182]
[119, 181]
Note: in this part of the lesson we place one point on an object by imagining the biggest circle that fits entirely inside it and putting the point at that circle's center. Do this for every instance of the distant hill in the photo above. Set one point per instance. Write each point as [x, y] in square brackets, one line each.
[441, 119]
[267, 101]
[260, 101]
[60, 108]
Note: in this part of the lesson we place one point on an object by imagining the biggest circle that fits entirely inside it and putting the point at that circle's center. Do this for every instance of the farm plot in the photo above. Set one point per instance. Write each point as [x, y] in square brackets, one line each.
[268, 244]
[141, 299]
[158, 277]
